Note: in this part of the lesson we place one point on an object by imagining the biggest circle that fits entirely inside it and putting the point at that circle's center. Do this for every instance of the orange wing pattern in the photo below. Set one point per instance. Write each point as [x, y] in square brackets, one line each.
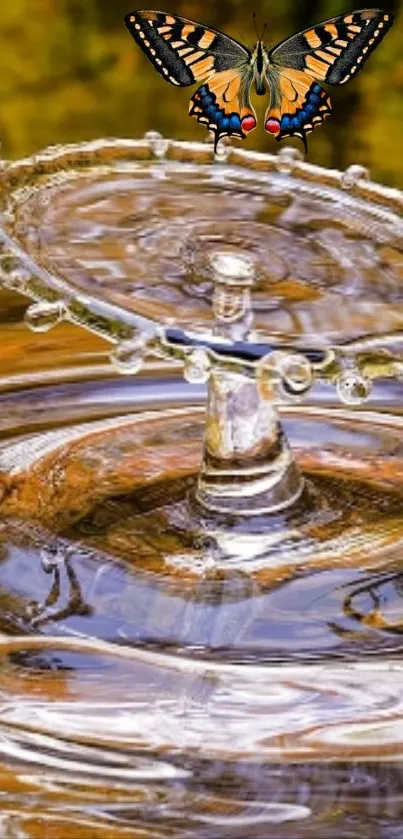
[303, 106]
[222, 104]
[335, 50]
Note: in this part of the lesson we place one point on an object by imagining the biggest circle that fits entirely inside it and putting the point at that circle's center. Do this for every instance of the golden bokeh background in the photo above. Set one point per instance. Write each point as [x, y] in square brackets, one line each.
[70, 71]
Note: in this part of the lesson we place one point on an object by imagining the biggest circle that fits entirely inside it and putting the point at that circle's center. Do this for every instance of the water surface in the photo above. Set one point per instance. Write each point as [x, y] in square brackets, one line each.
[166, 672]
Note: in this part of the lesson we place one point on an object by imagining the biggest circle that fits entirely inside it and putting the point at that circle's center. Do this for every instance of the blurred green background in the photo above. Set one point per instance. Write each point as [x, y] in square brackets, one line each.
[70, 71]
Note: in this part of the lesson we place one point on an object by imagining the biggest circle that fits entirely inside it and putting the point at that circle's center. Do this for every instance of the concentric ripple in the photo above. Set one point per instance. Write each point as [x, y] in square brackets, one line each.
[200, 750]
[141, 240]
[119, 550]
[168, 673]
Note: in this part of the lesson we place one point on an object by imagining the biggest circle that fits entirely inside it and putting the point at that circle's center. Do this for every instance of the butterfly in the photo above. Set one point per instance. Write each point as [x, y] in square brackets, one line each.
[185, 52]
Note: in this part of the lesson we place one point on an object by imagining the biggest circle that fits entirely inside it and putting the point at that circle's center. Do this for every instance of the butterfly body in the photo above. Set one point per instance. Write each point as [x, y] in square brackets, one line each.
[260, 63]
[185, 52]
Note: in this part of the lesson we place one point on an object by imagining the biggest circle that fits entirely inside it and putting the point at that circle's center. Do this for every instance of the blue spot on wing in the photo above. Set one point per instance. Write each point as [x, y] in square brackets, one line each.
[300, 123]
[206, 108]
[235, 122]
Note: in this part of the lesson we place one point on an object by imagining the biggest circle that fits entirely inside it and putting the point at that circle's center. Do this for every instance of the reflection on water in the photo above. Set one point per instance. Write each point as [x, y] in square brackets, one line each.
[168, 672]
[175, 748]
[142, 241]
[146, 693]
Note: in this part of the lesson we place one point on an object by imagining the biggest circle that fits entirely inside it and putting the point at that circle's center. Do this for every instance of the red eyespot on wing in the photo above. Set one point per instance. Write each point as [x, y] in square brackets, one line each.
[272, 126]
[248, 123]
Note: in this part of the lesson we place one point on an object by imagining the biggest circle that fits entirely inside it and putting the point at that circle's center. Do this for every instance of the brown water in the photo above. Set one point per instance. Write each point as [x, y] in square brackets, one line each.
[171, 673]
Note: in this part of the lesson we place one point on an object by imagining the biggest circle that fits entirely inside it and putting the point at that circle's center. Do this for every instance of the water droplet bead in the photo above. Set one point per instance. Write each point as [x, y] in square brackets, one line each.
[353, 175]
[273, 126]
[157, 143]
[296, 374]
[287, 158]
[40, 317]
[127, 358]
[248, 123]
[353, 388]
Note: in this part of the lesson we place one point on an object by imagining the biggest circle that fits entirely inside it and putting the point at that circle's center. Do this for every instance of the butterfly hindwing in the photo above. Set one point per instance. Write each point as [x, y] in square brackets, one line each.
[183, 51]
[335, 50]
[303, 105]
[223, 105]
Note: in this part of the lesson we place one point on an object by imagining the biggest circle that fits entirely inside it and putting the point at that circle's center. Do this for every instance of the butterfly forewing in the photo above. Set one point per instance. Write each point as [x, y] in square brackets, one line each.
[335, 50]
[182, 50]
[185, 52]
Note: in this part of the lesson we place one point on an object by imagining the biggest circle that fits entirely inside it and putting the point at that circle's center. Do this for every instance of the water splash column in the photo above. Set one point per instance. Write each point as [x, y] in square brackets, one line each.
[248, 467]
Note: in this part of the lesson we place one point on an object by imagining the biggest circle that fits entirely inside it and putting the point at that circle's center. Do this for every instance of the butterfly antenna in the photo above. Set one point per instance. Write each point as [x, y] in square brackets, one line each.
[258, 35]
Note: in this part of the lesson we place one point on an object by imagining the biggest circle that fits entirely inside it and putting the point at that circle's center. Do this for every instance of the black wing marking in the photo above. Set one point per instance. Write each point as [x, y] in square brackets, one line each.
[304, 105]
[222, 104]
[181, 50]
[335, 50]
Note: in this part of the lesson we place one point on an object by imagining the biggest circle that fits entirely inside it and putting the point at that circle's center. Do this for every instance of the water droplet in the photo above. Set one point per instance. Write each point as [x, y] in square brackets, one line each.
[284, 374]
[233, 267]
[222, 151]
[287, 158]
[158, 144]
[43, 316]
[128, 357]
[353, 388]
[296, 373]
[197, 367]
[352, 175]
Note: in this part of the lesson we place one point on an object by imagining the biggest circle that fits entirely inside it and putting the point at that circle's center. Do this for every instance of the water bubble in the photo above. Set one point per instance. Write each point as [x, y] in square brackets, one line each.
[296, 373]
[158, 144]
[353, 388]
[40, 317]
[291, 373]
[222, 151]
[128, 357]
[287, 158]
[352, 175]
[197, 366]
